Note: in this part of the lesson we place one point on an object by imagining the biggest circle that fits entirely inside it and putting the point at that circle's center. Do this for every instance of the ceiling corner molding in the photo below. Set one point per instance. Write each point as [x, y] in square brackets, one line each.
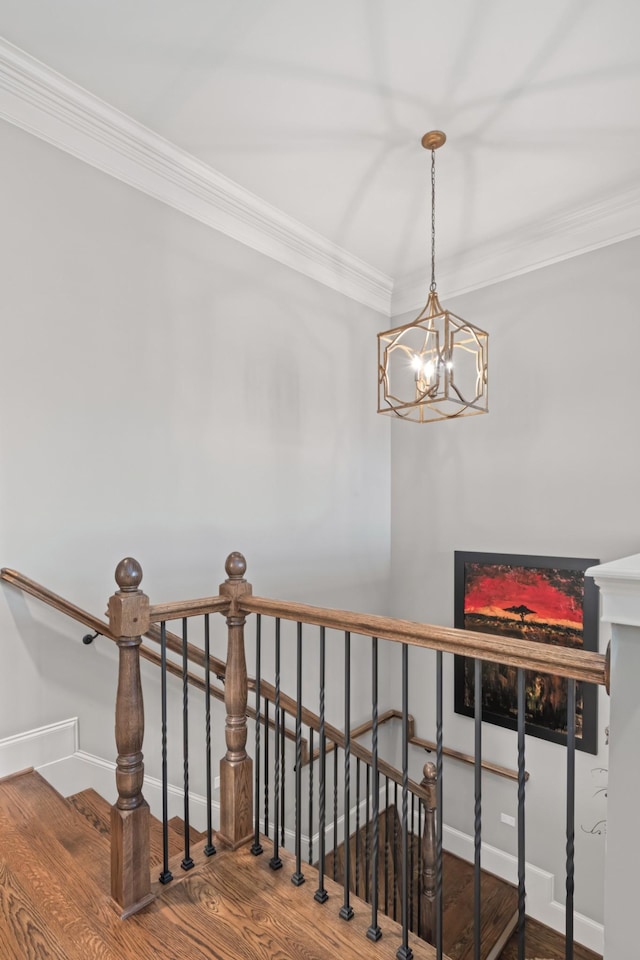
[51, 107]
[541, 244]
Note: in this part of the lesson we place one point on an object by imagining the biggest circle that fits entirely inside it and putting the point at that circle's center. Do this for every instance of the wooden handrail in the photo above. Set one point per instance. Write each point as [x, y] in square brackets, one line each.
[218, 667]
[562, 661]
[431, 747]
[58, 603]
[188, 608]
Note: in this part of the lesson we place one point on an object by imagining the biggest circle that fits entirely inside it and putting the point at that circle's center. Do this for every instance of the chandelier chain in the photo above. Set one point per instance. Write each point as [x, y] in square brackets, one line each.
[432, 286]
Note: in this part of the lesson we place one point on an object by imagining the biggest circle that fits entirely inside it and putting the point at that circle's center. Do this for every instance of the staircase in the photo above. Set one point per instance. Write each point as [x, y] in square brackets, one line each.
[54, 901]
[499, 899]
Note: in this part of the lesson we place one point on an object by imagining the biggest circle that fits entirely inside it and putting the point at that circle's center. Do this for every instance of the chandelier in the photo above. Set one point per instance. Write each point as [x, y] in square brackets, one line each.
[434, 368]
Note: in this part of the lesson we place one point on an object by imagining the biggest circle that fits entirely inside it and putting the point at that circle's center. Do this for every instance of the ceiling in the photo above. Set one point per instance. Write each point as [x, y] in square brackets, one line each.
[318, 108]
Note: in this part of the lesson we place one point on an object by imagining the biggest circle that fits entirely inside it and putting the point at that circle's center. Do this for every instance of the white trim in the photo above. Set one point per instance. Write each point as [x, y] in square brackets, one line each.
[35, 747]
[541, 902]
[46, 104]
[568, 235]
[619, 582]
[83, 770]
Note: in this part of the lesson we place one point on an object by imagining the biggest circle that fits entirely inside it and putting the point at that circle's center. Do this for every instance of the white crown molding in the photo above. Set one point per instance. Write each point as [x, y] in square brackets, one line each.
[543, 243]
[47, 105]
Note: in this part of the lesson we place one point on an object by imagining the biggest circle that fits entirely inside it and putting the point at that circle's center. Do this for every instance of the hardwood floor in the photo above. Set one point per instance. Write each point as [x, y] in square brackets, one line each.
[54, 903]
[499, 898]
[541, 941]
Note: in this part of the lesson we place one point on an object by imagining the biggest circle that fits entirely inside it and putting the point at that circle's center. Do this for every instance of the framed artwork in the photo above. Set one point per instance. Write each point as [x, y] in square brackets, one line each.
[542, 600]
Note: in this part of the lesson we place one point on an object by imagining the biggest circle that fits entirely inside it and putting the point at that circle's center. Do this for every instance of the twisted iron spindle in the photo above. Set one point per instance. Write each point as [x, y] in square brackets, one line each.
[346, 911]
[311, 762]
[367, 840]
[298, 877]
[321, 894]
[374, 932]
[275, 863]
[358, 827]
[282, 774]
[187, 862]
[405, 952]
[386, 845]
[166, 876]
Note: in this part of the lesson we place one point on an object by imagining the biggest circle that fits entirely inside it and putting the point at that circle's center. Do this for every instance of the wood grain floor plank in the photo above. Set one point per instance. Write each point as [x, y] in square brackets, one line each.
[236, 907]
[25, 934]
[80, 911]
[541, 941]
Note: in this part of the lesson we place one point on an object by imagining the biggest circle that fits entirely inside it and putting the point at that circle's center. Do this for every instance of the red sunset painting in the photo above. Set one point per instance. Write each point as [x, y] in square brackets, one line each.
[541, 604]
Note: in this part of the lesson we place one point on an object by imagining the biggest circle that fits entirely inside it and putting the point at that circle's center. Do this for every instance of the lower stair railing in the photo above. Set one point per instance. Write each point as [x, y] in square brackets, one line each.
[293, 639]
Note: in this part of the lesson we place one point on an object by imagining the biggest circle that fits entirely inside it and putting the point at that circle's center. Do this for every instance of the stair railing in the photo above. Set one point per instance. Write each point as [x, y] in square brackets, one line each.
[131, 616]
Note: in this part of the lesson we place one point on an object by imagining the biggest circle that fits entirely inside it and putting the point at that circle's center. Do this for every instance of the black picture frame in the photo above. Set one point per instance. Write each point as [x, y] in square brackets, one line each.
[491, 593]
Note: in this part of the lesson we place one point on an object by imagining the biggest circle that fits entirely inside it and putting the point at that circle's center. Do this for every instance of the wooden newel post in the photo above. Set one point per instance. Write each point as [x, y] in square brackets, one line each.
[129, 619]
[236, 776]
[429, 856]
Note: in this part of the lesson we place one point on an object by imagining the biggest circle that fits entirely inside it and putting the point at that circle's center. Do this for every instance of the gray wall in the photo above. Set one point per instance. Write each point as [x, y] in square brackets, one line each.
[552, 470]
[169, 394]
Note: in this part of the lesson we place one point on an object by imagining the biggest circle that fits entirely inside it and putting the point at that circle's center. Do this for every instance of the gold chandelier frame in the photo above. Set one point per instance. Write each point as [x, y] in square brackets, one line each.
[434, 368]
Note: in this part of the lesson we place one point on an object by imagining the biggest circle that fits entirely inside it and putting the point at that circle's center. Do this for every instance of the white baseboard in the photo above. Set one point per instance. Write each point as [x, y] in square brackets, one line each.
[82, 770]
[541, 902]
[36, 747]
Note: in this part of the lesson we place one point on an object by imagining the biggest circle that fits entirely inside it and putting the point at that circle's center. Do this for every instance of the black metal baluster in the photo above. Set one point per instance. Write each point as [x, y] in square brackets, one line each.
[419, 883]
[357, 826]
[275, 863]
[166, 874]
[571, 798]
[321, 894]
[266, 768]
[298, 878]
[346, 910]
[187, 862]
[283, 728]
[412, 898]
[521, 820]
[209, 849]
[405, 952]
[395, 851]
[311, 796]
[335, 811]
[439, 813]
[256, 847]
[477, 842]
[367, 843]
[386, 845]
[374, 932]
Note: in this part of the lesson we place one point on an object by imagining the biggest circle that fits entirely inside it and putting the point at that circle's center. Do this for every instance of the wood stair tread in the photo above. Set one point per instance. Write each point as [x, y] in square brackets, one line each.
[499, 899]
[55, 865]
[97, 812]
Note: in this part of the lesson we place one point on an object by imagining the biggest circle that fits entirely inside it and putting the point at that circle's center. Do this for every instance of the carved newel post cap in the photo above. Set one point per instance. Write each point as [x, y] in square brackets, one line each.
[429, 771]
[128, 575]
[236, 566]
